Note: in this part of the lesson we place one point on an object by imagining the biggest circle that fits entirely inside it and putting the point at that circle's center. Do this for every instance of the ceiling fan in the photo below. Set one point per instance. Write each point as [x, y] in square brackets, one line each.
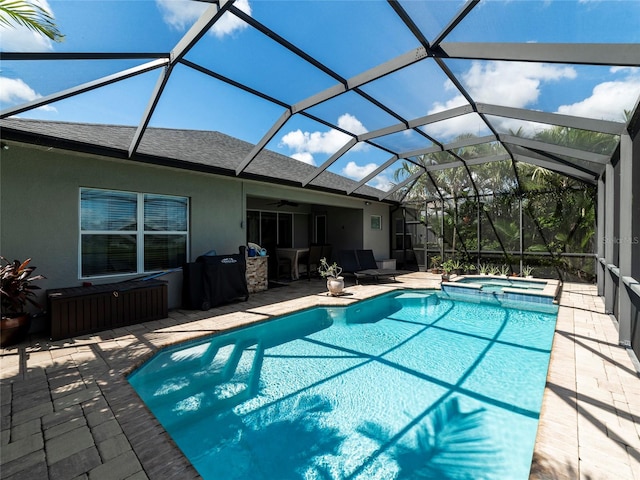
[284, 203]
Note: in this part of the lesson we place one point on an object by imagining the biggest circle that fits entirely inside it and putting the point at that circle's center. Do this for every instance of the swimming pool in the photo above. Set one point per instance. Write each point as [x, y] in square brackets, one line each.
[401, 385]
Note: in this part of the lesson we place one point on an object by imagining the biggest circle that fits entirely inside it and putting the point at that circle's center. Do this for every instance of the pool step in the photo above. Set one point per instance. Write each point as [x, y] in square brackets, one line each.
[221, 387]
[418, 299]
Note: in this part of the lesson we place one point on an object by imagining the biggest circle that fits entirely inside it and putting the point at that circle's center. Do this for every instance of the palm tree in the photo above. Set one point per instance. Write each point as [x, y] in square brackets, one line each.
[31, 15]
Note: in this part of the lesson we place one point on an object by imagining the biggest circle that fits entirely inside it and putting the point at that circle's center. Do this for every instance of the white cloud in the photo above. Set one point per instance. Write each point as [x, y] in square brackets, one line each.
[17, 38]
[358, 172]
[381, 182]
[622, 69]
[351, 124]
[305, 144]
[15, 91]
[305, 157]
[515, 84]
[607, 101]
[181, 14]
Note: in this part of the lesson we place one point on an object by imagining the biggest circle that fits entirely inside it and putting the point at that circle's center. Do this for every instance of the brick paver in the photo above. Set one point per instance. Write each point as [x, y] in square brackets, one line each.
[67, 410]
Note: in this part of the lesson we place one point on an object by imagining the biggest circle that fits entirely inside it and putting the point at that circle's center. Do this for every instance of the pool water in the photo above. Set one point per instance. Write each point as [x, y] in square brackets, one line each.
[497, 284]
[403, 386]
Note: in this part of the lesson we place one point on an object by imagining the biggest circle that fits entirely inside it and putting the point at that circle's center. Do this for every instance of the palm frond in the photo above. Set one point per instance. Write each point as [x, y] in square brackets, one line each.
[29, 15]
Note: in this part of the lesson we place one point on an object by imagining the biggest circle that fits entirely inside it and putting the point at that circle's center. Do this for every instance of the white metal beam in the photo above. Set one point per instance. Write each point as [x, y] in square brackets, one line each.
[556, 167]
[556, 149]
[582, 123]
[195, 33]
[619, 54]
[85, 87]
[378, 170]
[345, 148]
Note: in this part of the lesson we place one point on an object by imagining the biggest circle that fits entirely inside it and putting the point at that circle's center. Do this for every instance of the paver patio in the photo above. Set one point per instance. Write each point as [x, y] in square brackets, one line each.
[68, 411]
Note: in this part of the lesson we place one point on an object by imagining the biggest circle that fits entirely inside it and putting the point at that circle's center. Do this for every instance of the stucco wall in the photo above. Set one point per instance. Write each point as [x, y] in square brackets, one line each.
[39, 202]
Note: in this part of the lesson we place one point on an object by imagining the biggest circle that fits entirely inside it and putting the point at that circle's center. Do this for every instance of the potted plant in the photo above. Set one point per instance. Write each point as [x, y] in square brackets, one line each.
[435, 264]
[447, 267]
[16, 290]
[484, 268]
[504, 270]
[469, 268]
[493, 270]
[527, 271]
[335, 283]
[457, 267]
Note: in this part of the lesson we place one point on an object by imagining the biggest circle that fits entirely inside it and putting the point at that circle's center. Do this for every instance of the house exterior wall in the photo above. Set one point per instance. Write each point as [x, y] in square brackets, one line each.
[39, 209]
[377, 240]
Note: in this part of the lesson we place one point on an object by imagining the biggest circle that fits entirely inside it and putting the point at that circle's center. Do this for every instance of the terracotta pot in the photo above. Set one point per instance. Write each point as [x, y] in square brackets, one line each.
[335, 285]
[14, 328]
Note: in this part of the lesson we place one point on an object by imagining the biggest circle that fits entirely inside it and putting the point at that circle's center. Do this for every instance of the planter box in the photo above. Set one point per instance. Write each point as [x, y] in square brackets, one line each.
[80, 310]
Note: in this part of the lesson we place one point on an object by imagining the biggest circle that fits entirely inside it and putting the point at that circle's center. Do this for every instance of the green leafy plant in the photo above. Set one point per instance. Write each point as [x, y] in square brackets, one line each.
[448, 266]
[484, 268]
[435, 261]
[504, 270]
[527, 270]
[329, 270]
[16, 289]
[31, 15]
[494, 270]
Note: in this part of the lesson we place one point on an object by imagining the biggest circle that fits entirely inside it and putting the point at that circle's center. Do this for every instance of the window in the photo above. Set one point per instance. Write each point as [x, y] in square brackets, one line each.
[270, 229]
[321, 229]
[128, 232]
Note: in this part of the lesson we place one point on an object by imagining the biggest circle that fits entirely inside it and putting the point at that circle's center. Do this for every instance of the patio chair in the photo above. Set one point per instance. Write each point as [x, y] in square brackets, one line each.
[348, 261]
[278, 267]
[369, 266]
[313, 260]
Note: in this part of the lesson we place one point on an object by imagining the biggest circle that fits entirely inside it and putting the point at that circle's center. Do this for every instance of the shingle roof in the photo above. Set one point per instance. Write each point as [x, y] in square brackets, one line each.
[189, 149]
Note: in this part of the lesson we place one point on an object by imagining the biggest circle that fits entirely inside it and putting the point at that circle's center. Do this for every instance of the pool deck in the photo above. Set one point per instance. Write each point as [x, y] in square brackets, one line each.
[68, 411]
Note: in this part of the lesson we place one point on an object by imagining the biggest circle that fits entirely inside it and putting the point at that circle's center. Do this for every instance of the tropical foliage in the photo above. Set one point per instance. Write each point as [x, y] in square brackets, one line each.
[31, 15]
[499, 206]
[16, 289]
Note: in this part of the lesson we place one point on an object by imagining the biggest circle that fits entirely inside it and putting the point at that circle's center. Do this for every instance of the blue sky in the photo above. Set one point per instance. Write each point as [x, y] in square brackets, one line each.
[349, 37]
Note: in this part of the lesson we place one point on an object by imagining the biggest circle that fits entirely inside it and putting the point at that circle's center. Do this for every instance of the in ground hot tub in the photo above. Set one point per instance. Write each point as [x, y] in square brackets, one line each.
[504, 288]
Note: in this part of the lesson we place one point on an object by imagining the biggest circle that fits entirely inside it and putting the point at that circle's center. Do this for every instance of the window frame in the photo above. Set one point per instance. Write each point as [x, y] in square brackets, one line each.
[140, 232]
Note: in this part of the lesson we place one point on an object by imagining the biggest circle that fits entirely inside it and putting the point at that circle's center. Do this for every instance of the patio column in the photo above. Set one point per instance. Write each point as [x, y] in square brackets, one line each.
[626, 240]
[601, 267]
[609, 239]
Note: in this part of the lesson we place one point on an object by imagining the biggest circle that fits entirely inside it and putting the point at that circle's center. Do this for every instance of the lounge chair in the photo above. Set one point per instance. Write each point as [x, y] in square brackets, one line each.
[362, 264]
[369, 266]
[348, 261]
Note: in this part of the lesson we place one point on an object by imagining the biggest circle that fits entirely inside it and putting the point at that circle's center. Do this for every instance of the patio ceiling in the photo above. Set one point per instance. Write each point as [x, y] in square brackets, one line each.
[362, 89]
